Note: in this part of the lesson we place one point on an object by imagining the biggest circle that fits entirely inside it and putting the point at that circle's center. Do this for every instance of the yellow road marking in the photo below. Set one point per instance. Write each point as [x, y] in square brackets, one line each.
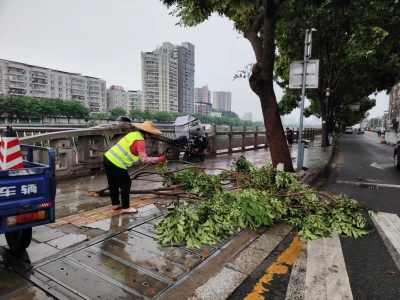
[287, 258]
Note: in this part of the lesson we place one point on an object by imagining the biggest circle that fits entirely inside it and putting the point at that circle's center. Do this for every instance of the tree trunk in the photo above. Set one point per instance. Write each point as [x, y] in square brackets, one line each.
[261, 82]
[272, 120]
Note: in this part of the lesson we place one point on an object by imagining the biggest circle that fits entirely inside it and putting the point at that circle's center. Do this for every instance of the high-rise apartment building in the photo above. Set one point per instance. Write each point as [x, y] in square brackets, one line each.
[29, 80]
[248, 116]
[168, 78]
[135, 100]
[117, 97]
[186, 78]
[202, 100]
[222, 100]
[128, 100]
[160, 79]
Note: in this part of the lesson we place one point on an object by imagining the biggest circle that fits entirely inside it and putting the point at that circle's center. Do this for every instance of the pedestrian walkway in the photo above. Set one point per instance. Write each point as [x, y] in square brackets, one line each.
[92, 251]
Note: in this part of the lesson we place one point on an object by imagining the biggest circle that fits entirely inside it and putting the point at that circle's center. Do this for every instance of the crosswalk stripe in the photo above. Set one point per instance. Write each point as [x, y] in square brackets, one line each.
[326, 276]
[390, 224]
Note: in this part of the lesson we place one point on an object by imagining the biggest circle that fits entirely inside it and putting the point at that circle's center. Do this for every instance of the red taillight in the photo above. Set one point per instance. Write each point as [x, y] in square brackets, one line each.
[28, 217]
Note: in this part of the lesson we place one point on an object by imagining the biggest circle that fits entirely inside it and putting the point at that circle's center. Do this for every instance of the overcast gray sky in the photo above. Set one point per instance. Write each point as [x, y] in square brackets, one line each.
[104, 38]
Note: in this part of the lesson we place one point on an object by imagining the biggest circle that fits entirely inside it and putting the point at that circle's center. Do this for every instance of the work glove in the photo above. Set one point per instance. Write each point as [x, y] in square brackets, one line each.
[161, 158]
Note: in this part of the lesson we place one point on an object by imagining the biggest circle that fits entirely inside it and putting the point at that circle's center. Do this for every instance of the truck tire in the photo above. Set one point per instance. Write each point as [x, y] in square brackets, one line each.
[20, 239]
[397, 160]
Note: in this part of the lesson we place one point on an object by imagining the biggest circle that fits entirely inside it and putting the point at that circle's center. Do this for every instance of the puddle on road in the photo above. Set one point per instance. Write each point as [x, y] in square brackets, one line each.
[173, 254]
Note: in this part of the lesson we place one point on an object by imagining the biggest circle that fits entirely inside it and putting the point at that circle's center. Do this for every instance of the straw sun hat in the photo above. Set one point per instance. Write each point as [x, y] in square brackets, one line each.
[147, 126]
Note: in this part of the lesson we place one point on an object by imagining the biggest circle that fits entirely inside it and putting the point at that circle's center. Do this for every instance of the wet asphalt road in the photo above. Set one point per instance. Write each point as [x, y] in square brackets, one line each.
[373, 265]
[368, 259]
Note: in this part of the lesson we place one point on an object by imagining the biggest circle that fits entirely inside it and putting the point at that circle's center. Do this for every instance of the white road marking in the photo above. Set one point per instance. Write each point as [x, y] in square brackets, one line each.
[381, 166]
[326, 276]
[372, 139]
[369, 183]
[390, 224]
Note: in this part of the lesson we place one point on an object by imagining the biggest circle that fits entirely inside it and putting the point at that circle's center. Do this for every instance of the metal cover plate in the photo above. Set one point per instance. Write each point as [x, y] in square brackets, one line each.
[84, 282]
[174, 254]
[118, 272]
[144, 260]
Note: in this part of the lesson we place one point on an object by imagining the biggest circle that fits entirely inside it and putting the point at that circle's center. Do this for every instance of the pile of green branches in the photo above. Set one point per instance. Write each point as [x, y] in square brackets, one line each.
[247, 196]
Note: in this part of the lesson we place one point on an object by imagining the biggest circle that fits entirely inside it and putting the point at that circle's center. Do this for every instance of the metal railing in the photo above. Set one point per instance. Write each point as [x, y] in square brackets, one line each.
[80, 151]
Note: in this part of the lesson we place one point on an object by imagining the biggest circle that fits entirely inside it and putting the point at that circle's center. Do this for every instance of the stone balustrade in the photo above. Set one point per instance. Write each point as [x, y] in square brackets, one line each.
[80, 151]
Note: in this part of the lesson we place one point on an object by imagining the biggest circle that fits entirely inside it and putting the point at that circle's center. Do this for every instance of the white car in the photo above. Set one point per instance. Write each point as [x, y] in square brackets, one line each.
[349, 130]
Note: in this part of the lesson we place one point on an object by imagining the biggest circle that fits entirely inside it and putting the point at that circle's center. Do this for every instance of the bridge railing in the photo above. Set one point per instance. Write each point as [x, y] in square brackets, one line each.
[80, 151]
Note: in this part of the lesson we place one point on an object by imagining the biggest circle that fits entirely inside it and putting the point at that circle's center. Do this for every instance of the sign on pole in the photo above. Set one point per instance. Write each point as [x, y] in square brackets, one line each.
[355, 106]
[296, 74]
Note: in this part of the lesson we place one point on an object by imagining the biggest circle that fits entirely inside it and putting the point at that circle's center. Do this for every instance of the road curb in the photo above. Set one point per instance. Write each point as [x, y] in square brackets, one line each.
[310, 177]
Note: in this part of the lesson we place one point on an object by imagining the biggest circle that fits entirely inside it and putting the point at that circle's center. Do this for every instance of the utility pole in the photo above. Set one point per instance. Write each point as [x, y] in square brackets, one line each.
[307, 55]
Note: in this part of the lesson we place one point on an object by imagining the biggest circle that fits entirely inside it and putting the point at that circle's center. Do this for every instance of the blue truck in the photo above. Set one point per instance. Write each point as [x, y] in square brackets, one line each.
[27, 198]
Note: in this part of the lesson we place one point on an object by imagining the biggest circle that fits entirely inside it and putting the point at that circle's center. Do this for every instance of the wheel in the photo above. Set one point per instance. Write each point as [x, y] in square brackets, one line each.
[20, 239]
[186, 157]
[396, 161]
[202, 156]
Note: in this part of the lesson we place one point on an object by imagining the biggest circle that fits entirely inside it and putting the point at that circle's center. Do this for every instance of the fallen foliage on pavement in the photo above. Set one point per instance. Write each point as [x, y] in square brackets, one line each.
[247, 196]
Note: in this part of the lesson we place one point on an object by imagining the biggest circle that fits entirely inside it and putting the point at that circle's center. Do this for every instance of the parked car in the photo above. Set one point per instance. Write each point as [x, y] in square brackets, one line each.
[397, 155]
[360, 131]
[349, 130]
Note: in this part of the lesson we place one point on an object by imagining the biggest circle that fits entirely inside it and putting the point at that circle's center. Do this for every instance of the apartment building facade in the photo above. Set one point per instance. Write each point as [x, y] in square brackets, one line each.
[135, 100]
[127, 100]
[22, 79]
[117, 97]
[160, 79]
[248, 116]
[202, 100]
[186, 98]
[168, 78]
[222, 100]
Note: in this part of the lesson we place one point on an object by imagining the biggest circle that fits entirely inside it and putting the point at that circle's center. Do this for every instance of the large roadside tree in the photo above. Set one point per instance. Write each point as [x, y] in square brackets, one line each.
[75, 109]
[12, 106]
[357, 44]
[256, 20]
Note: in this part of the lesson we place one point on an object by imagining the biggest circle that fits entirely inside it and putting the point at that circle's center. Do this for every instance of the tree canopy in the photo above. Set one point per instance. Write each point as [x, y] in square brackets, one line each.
[357, 45]
[29, 107]
[256, 20]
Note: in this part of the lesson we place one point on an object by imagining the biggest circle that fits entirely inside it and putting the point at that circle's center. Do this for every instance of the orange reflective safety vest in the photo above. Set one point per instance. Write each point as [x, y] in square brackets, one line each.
[120, 154]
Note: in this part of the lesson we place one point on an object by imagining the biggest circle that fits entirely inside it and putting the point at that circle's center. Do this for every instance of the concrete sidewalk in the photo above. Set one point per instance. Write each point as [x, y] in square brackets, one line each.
[87, 226]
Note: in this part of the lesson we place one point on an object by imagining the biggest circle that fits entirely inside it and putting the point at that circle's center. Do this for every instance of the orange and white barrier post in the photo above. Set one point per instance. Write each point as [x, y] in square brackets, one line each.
[10, 150]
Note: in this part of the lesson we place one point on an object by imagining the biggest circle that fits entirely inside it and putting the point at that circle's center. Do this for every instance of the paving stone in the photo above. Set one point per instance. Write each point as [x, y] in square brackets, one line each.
[103, 225]
[44, 233]
[68, 240]
[40, 251]
[57, 223]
